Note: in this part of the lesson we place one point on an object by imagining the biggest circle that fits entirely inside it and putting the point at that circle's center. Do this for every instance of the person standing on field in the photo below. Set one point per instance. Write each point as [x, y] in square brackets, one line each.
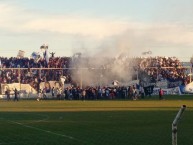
[39, 95]
[161, 93]
[16, 95]
[8, 94]
[53, 91]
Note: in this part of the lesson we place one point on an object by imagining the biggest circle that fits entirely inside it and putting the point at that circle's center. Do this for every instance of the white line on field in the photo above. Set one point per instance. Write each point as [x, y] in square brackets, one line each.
[47, 131]
[43, 130]
[41, 120]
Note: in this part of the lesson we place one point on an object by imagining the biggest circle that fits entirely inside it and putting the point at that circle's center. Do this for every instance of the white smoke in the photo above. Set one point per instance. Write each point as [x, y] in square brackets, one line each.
[111, 61]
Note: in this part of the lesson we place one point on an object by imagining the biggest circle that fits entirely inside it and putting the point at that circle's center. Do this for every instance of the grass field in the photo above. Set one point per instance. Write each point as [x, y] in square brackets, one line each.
[120, 122]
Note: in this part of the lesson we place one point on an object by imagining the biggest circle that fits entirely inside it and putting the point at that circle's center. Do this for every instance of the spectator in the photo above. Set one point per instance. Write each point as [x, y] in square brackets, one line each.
[161, 93]
[16, 95]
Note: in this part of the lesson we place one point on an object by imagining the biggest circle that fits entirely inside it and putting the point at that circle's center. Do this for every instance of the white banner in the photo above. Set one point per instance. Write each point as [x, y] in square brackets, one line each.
[25, 88]
[170, 91]
[162, 84]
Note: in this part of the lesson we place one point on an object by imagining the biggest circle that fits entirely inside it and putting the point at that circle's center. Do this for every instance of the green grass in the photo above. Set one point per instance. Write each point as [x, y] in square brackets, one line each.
[122, 122]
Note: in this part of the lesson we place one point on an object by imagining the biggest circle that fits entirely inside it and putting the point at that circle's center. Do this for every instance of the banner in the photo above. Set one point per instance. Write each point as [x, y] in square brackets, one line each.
[170, 91]
[21, 54]
[173, 84]
[24, 88]
[162, 84]
[147, 84]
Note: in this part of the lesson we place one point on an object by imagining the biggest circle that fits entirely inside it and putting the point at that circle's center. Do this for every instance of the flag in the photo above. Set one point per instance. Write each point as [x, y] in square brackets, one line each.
[0, 64]
[44, 46]
[63, 79]
[115, 83]
[46, 57]
[21, 54]
[35, 56]
[147, 52]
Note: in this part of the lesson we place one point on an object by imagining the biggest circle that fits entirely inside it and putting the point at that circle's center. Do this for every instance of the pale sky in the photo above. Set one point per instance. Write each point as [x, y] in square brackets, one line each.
[164, 27]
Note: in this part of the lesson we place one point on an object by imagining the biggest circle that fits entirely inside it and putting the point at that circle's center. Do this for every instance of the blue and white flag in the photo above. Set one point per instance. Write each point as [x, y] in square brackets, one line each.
[46, 57]
[35, 56]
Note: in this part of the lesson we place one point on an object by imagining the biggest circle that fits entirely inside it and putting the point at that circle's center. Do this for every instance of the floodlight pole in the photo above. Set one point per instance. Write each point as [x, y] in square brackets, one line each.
[175, 123]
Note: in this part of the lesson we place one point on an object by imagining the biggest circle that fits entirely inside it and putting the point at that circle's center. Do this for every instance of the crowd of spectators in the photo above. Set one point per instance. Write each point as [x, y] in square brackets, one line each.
[165, 68]
[15, 70]
[94, 93]
[29, 71]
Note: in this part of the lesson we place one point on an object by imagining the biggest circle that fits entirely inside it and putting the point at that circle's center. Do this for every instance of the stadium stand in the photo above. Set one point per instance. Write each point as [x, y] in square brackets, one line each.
[149, 71]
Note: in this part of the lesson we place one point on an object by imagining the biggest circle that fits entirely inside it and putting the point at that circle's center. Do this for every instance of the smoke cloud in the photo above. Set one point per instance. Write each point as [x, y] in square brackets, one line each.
[111, 60]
